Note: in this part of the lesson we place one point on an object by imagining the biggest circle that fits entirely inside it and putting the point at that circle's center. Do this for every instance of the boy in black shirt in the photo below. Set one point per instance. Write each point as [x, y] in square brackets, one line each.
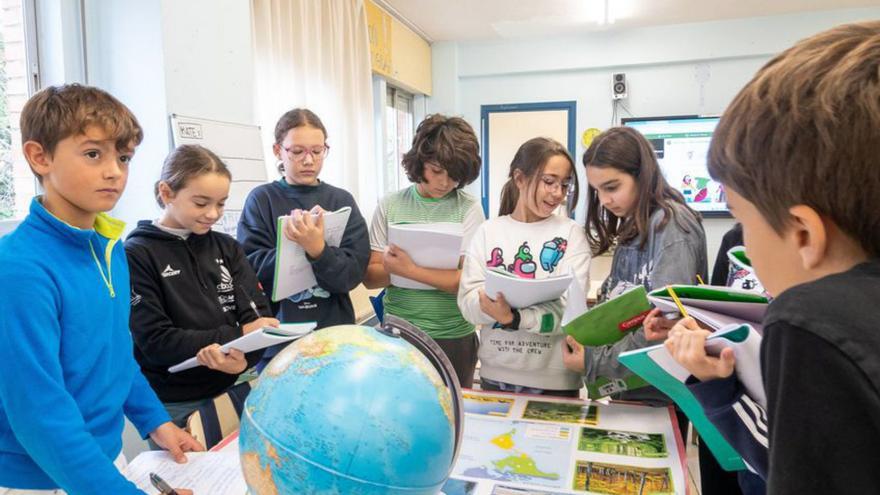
[798, 151]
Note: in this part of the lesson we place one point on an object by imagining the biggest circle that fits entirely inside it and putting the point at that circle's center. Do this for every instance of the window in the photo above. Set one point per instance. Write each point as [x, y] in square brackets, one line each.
[399, 128]
[17, 80]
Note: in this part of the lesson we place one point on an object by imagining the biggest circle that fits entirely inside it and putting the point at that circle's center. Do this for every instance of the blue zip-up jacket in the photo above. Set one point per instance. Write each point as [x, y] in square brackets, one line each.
[67, 371]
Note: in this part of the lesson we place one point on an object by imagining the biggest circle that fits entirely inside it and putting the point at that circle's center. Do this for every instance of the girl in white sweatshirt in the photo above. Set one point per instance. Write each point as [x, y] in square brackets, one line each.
[521, 349]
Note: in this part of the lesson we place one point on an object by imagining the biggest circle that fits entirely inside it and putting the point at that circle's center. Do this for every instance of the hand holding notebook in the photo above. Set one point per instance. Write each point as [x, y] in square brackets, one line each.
[429, 245]
[715, 306]
[293, 271]
[608, 322]
[524, 292]
[656, 365]
[254, 341]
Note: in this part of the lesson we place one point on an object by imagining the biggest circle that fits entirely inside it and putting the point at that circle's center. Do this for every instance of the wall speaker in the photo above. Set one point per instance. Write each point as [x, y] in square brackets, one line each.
[618, 86]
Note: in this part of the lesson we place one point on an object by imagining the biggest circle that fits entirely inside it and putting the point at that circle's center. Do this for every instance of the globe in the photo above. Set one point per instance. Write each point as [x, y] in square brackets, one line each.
[348, 410]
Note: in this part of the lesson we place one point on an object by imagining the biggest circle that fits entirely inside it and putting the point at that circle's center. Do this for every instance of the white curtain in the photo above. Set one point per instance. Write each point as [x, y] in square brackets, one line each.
[316, 54]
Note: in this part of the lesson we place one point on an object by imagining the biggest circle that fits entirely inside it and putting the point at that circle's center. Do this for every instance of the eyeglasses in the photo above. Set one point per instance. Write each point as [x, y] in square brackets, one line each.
[298, 154]
[552, 184]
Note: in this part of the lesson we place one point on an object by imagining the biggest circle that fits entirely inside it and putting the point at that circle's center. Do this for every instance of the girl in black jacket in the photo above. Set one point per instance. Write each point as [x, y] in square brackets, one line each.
[192, 288]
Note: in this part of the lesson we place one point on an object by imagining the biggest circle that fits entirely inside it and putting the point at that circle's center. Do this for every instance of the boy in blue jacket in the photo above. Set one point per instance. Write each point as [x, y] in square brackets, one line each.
[67, 372]
[798, 152]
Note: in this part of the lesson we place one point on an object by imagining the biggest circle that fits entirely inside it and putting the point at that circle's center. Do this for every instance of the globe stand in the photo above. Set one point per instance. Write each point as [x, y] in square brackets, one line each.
[394, 326]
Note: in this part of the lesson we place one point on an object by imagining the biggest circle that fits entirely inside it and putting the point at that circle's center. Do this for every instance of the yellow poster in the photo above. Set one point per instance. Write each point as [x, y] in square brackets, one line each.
[379, 26]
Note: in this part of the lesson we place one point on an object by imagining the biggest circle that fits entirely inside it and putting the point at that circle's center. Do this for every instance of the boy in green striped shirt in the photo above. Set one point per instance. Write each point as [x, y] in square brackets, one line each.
[445, 157]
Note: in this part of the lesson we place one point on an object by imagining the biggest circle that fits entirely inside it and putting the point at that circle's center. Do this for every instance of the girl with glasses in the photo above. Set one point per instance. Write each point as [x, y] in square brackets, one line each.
[301, 147]
[521, 349]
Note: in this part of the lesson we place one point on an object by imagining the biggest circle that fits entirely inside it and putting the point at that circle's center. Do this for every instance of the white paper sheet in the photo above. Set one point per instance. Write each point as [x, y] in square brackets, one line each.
[430, 245]
[217, 473]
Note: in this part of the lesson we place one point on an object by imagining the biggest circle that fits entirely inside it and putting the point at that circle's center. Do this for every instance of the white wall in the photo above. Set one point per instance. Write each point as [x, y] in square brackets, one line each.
[209, 64]
[124, 56]
[684, 69]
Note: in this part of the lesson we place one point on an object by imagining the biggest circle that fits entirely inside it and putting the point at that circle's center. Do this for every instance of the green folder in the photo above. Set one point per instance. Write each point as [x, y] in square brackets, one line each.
[645, 366]
[711, 293]
[608, 322]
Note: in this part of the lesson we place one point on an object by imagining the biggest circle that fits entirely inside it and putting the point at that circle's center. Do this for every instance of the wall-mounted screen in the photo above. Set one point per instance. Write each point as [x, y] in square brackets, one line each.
[682, 144]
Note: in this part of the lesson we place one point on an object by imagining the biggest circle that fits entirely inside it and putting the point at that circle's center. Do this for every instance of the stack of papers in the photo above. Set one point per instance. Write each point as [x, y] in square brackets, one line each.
[430, 245]
[717, 307]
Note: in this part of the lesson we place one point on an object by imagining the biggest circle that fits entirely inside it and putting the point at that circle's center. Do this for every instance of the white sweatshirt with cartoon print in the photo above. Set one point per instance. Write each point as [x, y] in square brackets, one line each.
[532, 354]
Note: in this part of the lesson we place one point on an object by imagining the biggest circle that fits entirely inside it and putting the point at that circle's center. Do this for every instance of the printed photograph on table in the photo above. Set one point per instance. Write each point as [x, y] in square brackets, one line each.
[455, 486]
[562, 412]
[486, 405]
[508, 490]
[625, 443]
[515, 452]
[616, 479]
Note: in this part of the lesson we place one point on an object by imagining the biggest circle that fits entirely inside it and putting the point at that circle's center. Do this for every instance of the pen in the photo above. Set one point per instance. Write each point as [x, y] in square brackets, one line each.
[677, 301]
[160, 485]
[700, 279]
[254, 307]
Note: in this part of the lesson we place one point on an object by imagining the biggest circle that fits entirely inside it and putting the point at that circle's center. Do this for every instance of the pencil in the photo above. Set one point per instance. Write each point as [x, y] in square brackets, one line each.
[677, 301]
[700, 279]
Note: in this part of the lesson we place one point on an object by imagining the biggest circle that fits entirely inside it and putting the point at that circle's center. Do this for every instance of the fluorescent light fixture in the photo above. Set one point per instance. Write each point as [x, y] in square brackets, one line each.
[607, 12]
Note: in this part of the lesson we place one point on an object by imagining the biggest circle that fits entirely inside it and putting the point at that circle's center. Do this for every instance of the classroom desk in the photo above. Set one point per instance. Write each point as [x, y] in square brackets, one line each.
[527, 444]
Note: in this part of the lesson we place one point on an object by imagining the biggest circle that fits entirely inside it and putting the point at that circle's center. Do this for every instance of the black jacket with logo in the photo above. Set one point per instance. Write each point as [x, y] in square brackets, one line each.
[185, 295]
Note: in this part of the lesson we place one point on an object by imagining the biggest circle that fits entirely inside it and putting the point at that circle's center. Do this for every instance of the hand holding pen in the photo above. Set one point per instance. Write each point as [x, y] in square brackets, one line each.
[260, 322]
[164, 488]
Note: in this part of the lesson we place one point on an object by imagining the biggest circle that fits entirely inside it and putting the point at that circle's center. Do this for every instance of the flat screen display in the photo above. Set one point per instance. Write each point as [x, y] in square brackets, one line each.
[682, 144]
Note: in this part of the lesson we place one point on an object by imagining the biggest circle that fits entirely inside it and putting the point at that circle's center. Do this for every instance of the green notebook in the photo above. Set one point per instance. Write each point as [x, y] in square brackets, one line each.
[711, 293]
[608, 322]
[655, 365]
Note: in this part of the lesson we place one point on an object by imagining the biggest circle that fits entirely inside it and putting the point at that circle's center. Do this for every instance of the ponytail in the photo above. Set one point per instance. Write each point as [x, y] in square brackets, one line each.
[509, 197]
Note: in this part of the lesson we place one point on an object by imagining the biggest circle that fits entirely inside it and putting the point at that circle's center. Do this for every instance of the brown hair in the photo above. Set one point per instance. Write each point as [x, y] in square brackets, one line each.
[806, 130]
[185, 163]
[292, 119]
[449, 142]
[58, 112]
[530, 159]
[627, 150]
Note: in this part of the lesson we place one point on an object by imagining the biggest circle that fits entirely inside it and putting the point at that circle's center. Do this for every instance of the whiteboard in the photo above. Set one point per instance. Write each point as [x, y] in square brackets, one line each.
[240, 146]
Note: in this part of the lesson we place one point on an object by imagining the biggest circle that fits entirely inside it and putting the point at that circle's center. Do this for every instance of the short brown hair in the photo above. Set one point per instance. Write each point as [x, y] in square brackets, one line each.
[186, 162]
[58, 112]
[449, 142]
[806, 130]
[627, 150]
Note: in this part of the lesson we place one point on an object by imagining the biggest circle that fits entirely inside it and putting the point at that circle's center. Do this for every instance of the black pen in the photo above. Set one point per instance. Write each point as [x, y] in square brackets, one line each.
[159, 483]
